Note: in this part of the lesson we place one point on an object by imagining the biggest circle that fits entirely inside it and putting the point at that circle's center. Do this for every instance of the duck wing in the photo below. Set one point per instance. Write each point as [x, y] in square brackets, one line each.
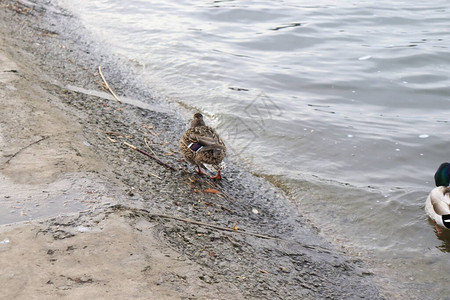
[206, 137]
[440, 207]
[440, 200]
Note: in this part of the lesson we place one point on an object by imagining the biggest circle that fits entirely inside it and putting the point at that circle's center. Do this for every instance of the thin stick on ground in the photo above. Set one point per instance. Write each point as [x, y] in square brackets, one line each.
[267, 237]
[107, 85]
[144, 212]
[223, 192]
[38, 141]
[148, 146]
[151, 156]
[212, 183]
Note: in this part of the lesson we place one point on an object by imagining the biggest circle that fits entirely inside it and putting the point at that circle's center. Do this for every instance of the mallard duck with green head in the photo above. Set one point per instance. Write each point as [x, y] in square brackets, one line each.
[201, 145]
[437, 205]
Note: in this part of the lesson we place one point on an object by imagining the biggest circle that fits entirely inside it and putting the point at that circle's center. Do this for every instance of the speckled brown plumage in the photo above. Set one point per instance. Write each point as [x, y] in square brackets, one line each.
[211, 149]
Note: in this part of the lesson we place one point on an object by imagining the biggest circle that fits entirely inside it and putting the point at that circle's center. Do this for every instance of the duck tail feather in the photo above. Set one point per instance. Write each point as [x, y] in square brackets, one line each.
[446, 220]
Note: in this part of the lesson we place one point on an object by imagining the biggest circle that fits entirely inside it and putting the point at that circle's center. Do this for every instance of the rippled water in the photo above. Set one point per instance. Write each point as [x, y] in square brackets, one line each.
[344, 105]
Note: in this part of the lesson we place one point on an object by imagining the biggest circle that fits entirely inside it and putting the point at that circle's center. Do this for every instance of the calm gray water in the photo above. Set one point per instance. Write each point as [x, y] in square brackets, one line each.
[345, 105]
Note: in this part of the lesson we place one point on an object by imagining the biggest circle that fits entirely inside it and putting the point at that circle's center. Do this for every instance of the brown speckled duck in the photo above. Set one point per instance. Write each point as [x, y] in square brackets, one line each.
[201, 145]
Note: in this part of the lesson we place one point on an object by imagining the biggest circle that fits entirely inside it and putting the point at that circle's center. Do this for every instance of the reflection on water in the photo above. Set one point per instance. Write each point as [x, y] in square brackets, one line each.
[345, 103]
[444, 237]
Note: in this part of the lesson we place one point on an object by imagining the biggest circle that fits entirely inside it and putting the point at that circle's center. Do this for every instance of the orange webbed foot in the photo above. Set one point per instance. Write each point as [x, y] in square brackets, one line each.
[199, 171]
[438, 230]
[218, 176]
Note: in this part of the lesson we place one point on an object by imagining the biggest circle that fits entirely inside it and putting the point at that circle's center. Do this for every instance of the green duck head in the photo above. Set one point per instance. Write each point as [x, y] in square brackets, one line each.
[442, 176]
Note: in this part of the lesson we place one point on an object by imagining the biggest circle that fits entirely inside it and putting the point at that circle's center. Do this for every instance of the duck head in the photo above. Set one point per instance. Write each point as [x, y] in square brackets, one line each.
[442, 176]
[198, 120]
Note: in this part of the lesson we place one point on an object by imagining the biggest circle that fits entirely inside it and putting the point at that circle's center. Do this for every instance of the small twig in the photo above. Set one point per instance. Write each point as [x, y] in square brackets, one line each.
[227, 195]
[217, 205]
[118, 134]
[111, 140]
[154, 175]
[114, 133]
[144, 212]
[267, 237]
[220, 189]
[148, 146]
[151, 156]
[107, 85]
[215, 226]
[12, 156]
[231, 241]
